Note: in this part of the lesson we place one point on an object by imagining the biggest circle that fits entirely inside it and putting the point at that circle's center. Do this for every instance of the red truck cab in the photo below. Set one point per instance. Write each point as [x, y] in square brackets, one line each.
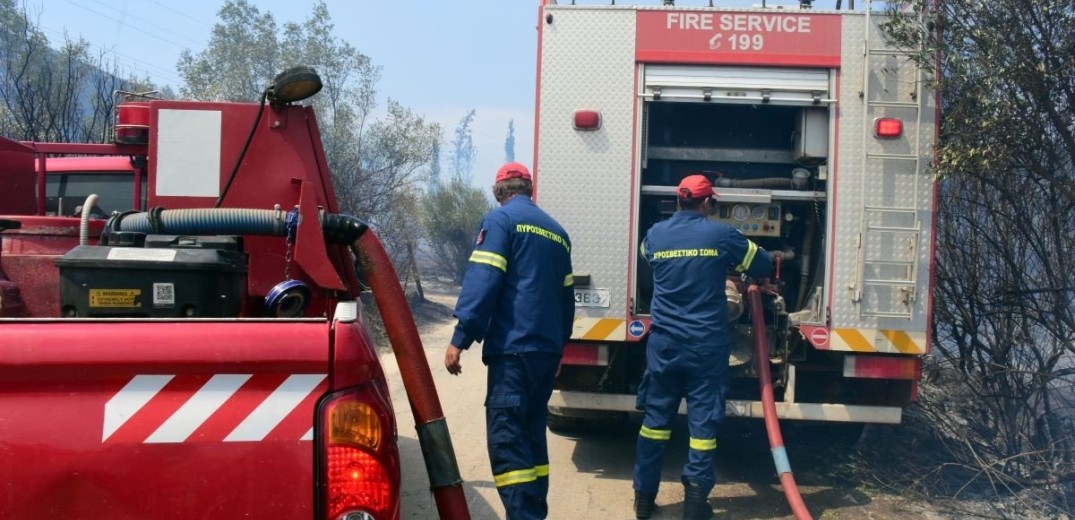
[215, 370]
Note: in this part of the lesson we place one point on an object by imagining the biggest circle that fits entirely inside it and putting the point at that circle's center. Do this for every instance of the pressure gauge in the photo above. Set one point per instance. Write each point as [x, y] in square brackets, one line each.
[758, 212]
[740, 212]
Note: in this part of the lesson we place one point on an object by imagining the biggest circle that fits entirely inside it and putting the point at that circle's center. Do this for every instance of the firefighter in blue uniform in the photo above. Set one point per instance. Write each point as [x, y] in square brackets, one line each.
[689, 342]
[518, 300]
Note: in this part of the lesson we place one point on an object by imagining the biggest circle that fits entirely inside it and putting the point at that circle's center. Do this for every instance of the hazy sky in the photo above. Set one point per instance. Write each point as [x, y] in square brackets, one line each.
[439, 58]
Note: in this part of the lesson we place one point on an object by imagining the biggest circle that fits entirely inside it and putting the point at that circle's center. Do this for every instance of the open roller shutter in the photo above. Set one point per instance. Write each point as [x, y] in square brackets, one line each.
[782, 86]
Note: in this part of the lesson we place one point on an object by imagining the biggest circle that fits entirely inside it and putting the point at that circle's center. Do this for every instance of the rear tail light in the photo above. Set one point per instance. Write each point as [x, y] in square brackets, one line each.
[358, 465]
[585, 354]
[883, 367]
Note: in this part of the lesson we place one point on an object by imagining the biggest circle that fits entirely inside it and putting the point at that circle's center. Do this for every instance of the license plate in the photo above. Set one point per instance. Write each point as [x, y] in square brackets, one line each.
[592, 298]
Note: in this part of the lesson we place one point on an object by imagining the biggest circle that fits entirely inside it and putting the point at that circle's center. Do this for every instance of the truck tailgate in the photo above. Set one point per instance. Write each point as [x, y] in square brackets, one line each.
[159, 419]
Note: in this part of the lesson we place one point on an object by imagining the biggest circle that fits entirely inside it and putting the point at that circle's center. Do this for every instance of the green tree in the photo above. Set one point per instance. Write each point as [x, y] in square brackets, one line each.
[375, 163]
[452, 215]
[241, 57]
[455, 208]
[1004, 315]
[463, 151]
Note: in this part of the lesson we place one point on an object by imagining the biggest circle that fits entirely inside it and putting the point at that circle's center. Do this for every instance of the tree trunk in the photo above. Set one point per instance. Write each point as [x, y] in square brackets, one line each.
[420, 295]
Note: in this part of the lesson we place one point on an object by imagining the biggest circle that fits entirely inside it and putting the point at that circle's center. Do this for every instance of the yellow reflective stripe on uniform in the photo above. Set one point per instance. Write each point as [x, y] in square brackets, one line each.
[752, 249]
[519, 476]
[642, 248]
[493, 259]
[542, 470]
[703, 444]
[656, 435]
[569, 280]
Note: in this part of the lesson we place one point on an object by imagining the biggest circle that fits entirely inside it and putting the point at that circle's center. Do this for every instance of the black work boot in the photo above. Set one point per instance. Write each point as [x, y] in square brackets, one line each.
[695, 503]
[645, 503]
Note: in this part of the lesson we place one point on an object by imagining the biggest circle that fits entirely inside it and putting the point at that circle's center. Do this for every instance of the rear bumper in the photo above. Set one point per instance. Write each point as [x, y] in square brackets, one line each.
[562, 400]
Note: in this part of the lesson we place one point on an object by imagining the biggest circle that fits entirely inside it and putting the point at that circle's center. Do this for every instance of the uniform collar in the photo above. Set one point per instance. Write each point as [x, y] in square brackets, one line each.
[518, 197]
[688, 214]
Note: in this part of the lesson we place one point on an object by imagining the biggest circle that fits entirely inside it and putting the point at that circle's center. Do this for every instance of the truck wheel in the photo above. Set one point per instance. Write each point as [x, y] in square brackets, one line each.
[563, 424]
[587, 421]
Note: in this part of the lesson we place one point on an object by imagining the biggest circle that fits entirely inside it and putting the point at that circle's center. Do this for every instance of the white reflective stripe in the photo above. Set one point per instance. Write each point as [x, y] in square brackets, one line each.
[275, 408]
[207, 400]
[129, 400]
[309, 435]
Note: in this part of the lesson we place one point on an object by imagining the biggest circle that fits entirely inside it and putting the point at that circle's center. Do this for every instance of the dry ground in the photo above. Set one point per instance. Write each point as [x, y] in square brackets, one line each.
[886, 475]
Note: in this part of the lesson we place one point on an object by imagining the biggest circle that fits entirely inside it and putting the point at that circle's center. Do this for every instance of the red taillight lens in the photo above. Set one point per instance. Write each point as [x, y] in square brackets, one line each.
[587, 120]
[356, 480]
[358, 457]
[887, 127]
[883, 367]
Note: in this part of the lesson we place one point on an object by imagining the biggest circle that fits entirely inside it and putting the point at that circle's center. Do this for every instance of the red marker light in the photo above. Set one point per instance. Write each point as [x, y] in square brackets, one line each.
[887, 127]
[587, 120]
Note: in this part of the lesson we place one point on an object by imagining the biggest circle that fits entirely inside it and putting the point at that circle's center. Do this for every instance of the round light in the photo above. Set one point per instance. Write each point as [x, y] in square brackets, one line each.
[295, 84]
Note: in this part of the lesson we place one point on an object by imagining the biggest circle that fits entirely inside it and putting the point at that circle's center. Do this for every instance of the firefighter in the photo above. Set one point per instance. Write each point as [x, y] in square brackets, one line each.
[518, 300]
[689, 342]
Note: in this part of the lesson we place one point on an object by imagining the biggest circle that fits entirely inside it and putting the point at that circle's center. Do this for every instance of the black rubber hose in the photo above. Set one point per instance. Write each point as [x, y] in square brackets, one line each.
[337, 229]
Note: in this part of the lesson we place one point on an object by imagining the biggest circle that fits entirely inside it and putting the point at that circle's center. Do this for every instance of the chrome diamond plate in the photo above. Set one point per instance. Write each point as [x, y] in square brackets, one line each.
[887, 180]
[584, 178]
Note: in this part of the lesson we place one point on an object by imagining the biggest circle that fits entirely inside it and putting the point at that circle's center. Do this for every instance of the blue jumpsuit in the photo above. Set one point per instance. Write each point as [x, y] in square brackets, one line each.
[689, 341]
[518, 299]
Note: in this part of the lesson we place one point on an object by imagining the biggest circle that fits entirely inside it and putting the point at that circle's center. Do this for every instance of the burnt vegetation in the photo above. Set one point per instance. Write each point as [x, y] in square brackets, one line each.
[997, 398]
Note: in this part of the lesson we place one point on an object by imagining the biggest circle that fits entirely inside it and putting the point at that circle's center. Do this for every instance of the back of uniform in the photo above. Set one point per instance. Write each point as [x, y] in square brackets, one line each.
[691, 256]
[689, 341]
[518, 299]
[517, 294]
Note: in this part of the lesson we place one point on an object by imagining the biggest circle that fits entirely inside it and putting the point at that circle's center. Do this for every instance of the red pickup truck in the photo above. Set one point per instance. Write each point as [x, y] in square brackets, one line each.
[180, 335]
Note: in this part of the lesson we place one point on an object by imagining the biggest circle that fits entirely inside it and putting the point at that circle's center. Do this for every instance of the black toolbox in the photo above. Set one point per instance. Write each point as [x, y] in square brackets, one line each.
[170, 276]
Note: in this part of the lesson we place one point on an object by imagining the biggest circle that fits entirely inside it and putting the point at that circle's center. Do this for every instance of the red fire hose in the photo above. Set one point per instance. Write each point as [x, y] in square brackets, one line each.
[417, 379]
[772, 425]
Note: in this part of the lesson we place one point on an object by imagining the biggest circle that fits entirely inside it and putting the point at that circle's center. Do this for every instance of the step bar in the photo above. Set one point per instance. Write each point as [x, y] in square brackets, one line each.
[564, 403]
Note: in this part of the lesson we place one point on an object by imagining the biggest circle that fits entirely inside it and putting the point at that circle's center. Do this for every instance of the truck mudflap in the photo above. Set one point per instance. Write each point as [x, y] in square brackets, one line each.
[563, 402]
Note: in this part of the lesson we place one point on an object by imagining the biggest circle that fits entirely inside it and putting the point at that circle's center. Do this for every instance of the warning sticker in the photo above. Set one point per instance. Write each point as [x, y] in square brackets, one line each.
[114, 297]
[142, 254]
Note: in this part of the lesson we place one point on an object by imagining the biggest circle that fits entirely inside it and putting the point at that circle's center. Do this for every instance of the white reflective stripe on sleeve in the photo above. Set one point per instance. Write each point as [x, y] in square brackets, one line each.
[209, 398]
[134, 395]
[275, 408]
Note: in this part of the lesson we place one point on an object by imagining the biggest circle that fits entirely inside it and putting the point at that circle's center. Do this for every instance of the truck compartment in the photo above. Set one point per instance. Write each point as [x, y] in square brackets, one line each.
[768, 164]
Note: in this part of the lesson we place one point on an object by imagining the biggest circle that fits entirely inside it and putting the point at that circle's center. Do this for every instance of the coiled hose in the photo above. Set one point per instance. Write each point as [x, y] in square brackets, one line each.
[768, 401]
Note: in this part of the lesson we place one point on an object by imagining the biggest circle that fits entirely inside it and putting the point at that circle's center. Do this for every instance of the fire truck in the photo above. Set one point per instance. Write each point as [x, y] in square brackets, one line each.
[818, 135]
[181, 334]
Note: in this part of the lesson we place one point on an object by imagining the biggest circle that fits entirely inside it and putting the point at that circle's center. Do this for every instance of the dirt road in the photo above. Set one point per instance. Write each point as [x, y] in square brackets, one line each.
[590, 475]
